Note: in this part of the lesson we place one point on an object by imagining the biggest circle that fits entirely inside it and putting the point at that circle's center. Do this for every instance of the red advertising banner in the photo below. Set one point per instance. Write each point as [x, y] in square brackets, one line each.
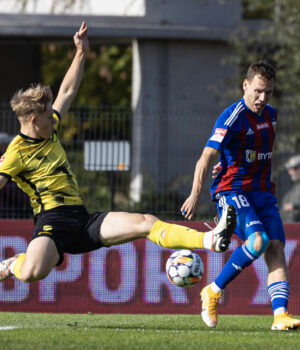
[131, 278]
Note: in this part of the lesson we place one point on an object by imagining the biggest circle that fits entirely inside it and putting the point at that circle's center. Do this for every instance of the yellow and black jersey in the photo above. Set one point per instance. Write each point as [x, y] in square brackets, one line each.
[41, 169]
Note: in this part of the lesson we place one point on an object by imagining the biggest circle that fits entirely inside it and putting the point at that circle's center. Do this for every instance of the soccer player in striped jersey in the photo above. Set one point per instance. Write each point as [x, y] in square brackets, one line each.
[37, 162]
[242, 139]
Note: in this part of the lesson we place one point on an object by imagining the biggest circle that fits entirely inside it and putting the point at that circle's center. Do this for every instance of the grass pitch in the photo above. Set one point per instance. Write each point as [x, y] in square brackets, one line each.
[140, 332]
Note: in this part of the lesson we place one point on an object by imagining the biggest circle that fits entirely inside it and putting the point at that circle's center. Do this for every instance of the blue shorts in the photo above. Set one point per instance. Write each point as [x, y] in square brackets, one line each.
[256, 211]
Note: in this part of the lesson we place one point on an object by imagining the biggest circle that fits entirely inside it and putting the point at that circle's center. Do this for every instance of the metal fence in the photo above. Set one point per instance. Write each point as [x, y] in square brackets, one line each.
[140, 162]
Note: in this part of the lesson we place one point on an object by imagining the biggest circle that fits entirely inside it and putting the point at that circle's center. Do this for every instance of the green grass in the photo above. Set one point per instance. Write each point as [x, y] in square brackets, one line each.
[141, 332]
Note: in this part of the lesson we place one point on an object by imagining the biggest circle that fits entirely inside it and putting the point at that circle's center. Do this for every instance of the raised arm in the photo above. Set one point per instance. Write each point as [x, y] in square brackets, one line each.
[189, 207]
[72, 79]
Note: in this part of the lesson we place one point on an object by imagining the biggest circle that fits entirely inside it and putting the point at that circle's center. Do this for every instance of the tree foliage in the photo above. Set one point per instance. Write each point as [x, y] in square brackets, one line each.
[105, 90]
[107, 73]
[271, 32]
[257, 9]
[276, 40]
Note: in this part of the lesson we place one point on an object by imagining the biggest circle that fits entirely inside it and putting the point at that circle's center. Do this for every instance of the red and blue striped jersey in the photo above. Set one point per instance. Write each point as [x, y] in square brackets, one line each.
[245, 142]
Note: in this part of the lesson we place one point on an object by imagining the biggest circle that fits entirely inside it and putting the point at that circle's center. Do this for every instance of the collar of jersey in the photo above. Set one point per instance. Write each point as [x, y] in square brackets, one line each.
[257, 116]
[31, 139]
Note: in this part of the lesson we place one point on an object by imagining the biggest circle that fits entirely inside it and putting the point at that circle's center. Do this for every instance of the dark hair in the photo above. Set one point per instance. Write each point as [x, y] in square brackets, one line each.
[261, 68]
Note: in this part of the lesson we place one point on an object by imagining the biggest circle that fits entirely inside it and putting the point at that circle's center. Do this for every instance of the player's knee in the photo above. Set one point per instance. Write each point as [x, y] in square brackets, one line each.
[32, 273]
[257, 243]
[144, 225]
[275, 247]
[275, 253]
[148, 222]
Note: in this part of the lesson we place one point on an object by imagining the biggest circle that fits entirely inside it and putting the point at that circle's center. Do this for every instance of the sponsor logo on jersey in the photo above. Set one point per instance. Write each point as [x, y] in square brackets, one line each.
[250, 132]
[264, 156]
[262, 126]
[218, 135]
[250, 155]
[254, 222]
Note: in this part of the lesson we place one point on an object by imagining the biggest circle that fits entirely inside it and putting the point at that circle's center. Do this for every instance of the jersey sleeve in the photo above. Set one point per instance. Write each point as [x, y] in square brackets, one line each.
[11, 164]
[57, 117]
[221, 134]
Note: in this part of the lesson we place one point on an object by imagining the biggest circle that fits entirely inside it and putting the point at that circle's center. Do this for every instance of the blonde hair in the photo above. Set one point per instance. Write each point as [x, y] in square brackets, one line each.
[32, 100]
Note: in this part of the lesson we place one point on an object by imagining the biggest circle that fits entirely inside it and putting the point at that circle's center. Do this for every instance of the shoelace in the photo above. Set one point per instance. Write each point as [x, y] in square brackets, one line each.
[213, 305]
[286, 314]
[293, 322]
[216, 221]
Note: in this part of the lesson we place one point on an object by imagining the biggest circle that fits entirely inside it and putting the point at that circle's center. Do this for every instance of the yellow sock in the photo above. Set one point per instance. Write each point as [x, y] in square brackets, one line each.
[18, 264]
[175, 236]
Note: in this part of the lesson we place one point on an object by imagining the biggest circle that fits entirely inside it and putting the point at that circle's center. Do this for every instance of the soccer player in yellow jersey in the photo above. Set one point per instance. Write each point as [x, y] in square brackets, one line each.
[37, 162]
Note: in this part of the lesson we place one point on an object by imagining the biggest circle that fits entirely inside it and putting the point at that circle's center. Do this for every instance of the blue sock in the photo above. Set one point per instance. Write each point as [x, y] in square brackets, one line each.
[239, 259]
[279, 293]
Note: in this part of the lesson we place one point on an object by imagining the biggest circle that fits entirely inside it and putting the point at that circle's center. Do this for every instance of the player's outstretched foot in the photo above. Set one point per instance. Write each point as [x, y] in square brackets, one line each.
[224, 230]
[210, 303]
[4, 268]
[284, 322]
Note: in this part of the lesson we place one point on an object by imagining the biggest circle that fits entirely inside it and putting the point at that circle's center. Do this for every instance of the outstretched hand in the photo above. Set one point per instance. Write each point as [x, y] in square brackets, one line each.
[81, 40]
[189, 207]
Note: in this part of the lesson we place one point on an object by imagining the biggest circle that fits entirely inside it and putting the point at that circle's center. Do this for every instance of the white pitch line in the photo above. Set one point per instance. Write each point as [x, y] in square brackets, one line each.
[7, 328]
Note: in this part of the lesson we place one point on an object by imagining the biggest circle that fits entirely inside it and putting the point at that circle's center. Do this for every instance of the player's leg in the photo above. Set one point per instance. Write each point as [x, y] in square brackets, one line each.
[251, 231]
[278, 285]
[121, 227]
[40, 258]
[54, 231]
[275, 260]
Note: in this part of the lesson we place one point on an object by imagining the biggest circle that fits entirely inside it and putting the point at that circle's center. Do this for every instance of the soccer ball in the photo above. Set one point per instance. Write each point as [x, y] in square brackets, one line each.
[184, 268]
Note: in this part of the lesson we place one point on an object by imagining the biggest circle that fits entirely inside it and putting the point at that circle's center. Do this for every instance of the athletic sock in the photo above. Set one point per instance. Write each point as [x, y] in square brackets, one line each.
[208, 239]
[215, 288]
[279, 293]
[239, 259]
[175, 236]
[15, 267]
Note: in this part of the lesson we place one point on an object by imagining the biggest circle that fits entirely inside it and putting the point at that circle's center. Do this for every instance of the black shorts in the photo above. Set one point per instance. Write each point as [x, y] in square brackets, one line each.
[72, 228]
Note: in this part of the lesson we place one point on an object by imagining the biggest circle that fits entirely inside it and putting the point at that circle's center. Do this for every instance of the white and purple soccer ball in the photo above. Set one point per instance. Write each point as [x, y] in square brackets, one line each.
[184, 268]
